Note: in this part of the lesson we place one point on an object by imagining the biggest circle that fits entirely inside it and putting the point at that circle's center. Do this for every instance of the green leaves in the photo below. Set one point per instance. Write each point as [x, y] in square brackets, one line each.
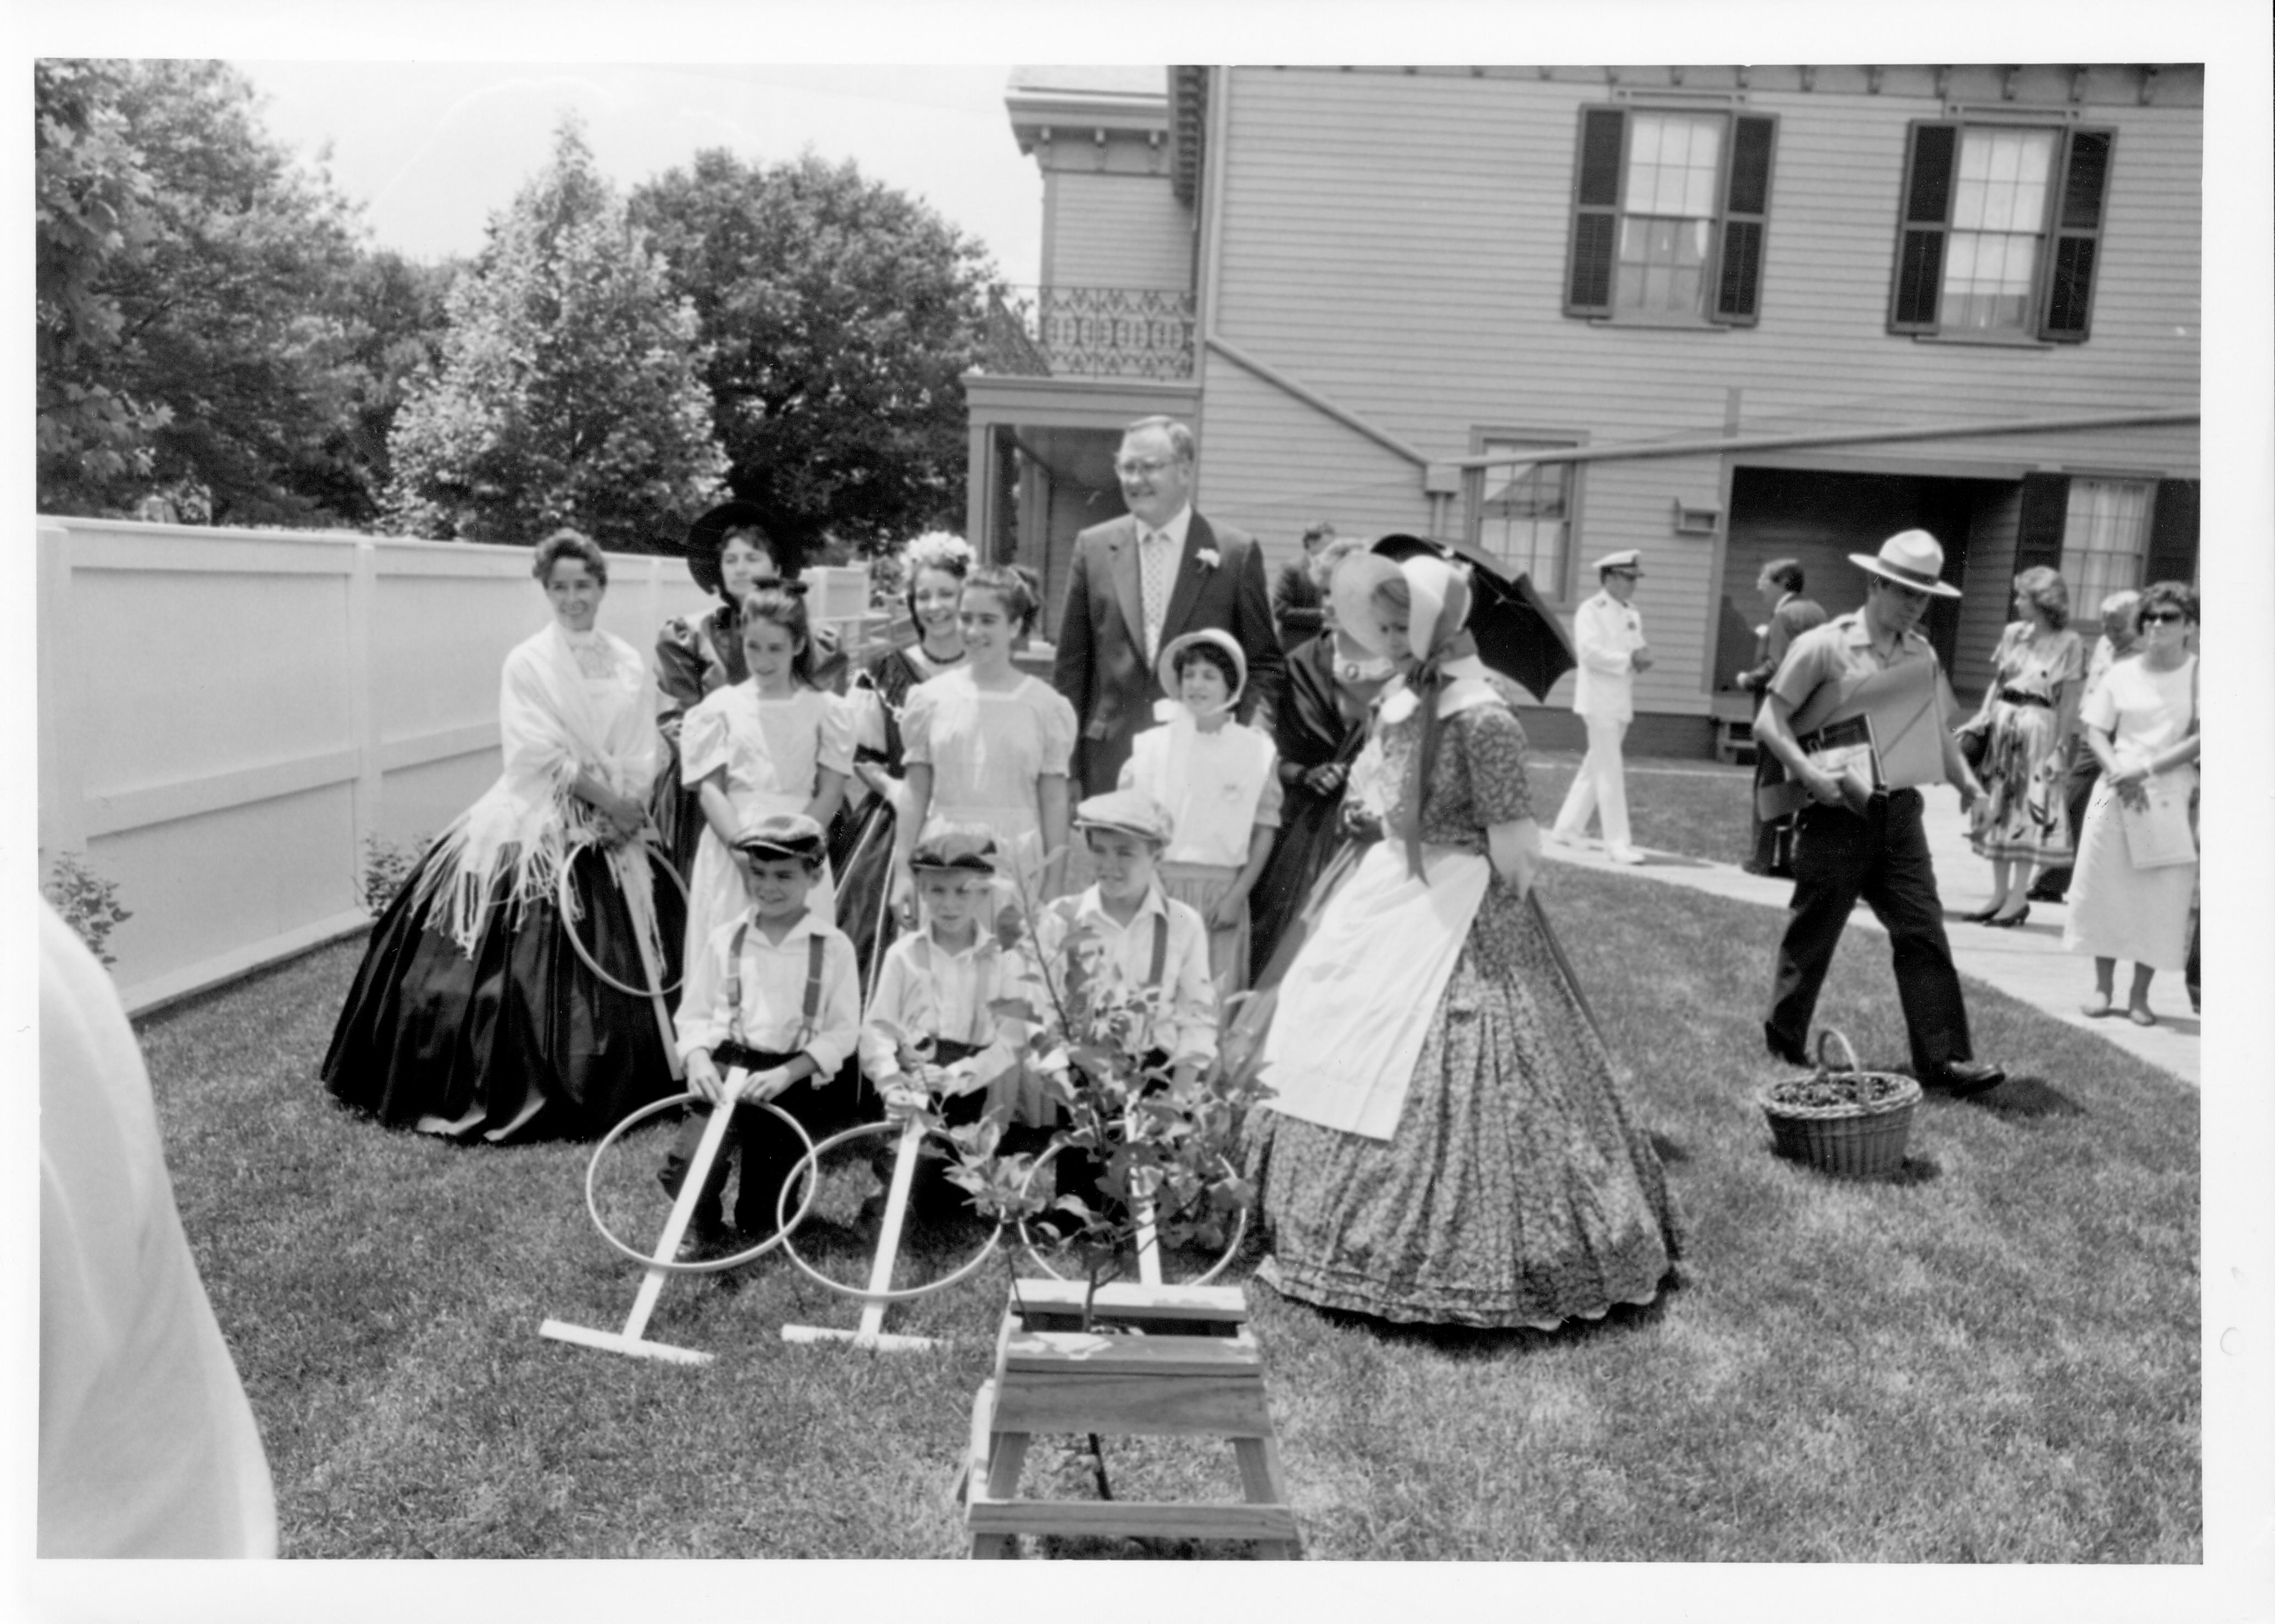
[569, 392]
[194, 331]
[838, 317]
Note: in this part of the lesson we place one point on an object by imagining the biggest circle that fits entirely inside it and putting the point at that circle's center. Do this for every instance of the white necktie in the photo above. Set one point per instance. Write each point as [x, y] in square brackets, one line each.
[1153, 570]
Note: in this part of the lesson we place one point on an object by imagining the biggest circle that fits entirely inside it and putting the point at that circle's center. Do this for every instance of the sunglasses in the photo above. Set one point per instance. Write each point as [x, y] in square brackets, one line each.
[2154, 616]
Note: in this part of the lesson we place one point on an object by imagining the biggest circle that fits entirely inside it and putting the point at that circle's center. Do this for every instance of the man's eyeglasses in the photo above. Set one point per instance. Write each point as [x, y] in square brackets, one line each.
[1134, 467]
[2154, 616]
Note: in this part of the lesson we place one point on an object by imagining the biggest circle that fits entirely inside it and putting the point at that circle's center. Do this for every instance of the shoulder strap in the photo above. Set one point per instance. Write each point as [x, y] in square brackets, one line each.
[735, 978]
[1160, 947]
[817, 948]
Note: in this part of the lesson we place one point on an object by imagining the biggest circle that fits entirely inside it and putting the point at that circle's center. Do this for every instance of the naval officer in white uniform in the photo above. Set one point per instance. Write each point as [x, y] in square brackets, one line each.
[1607, 632]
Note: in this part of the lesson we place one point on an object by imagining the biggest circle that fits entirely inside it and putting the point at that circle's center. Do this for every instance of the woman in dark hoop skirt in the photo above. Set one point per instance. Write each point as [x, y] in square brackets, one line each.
[932, 568]
[474, 1016]
[1319, 727]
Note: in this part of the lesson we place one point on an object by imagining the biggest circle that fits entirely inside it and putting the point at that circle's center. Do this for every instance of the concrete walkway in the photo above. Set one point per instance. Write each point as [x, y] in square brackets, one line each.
[2028, 963]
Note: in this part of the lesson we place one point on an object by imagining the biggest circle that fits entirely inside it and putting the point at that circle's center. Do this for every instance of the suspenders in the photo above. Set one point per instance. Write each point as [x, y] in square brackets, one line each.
[816, 945]
[1077, 988]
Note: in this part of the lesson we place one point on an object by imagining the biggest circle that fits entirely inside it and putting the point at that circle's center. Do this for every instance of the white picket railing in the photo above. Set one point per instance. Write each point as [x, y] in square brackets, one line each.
[226, 716]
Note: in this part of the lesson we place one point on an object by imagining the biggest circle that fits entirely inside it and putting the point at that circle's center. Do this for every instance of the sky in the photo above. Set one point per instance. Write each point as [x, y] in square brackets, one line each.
[432, 149]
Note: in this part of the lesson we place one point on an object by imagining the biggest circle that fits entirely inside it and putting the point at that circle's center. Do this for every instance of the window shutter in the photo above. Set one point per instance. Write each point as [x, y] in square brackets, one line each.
[1930, 162]
[2077, 236]
[1595, 212]
[2172, 533]
[1745, 222]
[2045, 516]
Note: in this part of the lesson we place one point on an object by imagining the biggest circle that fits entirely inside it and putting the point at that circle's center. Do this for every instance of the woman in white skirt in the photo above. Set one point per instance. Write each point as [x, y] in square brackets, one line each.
[2140, 724]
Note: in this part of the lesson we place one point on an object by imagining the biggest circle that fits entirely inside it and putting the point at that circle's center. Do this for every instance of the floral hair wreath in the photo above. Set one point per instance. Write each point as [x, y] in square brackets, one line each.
[938, 549]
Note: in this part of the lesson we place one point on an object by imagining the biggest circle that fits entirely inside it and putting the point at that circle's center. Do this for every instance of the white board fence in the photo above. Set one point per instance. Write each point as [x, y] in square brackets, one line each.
[225, 716]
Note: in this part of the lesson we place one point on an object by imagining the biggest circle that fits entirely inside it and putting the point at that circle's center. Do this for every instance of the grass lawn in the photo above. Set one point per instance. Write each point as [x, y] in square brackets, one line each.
[1697, 809]
[1993, 1357]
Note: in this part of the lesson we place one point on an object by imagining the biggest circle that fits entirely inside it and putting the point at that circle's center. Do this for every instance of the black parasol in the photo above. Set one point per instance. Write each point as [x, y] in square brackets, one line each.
[1517, 634]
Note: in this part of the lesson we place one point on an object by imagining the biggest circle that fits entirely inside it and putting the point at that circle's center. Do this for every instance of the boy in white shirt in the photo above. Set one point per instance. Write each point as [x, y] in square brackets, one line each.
[786, 1007]
[930, 1029]
[1219, 780]
[1124, 936]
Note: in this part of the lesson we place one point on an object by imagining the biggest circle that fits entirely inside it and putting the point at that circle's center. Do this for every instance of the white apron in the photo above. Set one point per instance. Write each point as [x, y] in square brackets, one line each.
[1358, 1000]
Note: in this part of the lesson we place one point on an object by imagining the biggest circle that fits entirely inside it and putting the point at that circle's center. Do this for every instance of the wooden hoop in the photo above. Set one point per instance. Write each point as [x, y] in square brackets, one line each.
[711, 1265]
[906, 1294]
[569, 925]
[1026, 1241]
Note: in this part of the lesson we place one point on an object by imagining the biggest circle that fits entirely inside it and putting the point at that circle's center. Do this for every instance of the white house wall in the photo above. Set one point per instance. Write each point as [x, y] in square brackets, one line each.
[1110, 229]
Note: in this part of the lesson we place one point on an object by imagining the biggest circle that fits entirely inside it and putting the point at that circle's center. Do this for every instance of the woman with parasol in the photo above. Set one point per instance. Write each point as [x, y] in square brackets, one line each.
[1317, 727]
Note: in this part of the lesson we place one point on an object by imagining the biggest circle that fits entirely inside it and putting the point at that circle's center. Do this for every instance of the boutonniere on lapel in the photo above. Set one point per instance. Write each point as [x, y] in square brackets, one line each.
[1207, 559]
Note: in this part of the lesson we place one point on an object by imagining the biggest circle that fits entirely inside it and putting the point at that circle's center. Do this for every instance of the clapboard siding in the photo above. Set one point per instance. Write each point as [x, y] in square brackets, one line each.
[1110, 229]
[1439, 304]
[1399, 244]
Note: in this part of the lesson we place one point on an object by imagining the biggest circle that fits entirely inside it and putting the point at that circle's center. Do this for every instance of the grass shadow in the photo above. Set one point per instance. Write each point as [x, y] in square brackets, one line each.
[1481, 1342]
[1669, 1151]
[2027, 1097]
[1911, 1170]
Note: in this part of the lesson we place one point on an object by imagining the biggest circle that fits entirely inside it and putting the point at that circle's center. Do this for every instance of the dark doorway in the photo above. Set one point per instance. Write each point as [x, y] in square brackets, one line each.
[1821, 518]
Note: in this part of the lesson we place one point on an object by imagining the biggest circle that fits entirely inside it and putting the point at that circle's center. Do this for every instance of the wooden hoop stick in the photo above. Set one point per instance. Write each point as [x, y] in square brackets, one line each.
[665, 1263]
[880, 1293]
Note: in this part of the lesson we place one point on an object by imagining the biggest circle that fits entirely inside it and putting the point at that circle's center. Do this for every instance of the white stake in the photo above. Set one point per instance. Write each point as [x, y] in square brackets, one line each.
[871, 1332]
[629, 1340]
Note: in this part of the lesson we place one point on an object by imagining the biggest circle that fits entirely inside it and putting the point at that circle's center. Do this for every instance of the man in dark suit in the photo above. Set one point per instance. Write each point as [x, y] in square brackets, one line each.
[1143, 580]
[1779, 586]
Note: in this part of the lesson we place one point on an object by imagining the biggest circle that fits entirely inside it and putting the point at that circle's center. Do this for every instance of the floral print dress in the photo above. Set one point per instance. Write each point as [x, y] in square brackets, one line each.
[1518, 1188]
[2023, 812]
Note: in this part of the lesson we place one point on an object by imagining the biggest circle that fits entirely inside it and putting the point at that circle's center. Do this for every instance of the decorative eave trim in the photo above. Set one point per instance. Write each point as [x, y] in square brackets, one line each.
[1188, 130]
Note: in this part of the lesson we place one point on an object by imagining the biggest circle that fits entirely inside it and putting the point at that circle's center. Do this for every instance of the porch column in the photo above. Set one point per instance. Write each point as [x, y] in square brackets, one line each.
[979, 494]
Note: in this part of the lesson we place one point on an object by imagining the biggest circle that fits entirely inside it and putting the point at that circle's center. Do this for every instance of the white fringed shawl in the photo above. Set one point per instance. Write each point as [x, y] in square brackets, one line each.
[550, 731]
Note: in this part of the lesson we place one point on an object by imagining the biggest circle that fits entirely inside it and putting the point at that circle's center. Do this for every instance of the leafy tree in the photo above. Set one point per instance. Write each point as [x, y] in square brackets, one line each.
[191, 325]
[840, 315]
[92, 207]
[570, 391]
[393, 314]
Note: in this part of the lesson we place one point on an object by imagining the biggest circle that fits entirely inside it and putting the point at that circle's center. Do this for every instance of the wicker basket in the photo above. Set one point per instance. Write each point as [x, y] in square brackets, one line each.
[1857, 1140]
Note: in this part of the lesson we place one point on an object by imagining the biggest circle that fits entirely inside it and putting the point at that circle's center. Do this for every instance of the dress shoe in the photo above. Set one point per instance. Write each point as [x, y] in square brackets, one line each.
[1790, 1056]
[1981, 915]
[1965, 1077]
[2009, 921]
[1625, 854]
[1760, 870]
[2055, 891]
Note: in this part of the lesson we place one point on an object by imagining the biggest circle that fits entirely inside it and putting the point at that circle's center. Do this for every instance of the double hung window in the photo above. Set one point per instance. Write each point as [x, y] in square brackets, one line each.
[2001, 231]
[1670, 212]
[1523, 511]
[2105, 538]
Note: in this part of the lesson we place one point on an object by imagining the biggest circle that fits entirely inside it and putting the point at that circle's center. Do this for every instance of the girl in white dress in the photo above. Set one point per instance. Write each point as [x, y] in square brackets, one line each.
[771, 743]
[2140, 724]
[1219, 781]
[989, 745]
